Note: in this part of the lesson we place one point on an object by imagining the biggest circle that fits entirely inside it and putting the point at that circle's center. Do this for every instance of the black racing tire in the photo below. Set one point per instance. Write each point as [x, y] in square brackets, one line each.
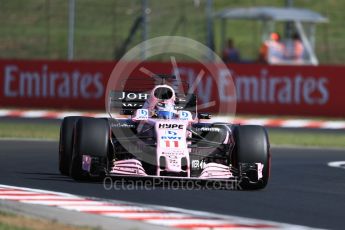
[66, 143]
[252, 146]
[91, 137]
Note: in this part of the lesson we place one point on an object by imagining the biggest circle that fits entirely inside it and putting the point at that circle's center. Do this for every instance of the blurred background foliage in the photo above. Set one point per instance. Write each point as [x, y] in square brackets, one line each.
[38, 29]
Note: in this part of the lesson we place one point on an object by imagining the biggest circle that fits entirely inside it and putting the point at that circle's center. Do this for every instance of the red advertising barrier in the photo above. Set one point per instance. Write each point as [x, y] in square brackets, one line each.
[53, 84]
[290, 90]
[260, 89]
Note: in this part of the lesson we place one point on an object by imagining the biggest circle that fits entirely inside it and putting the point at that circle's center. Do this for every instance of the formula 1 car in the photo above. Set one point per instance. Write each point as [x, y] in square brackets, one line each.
[163, 136]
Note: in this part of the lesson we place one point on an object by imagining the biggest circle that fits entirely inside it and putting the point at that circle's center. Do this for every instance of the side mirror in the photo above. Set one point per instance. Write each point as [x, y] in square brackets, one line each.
[204, 116]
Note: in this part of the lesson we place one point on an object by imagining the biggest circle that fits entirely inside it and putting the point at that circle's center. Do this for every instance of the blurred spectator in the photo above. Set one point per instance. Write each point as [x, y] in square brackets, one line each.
[230, 53]
[272, 50]
[294, 49]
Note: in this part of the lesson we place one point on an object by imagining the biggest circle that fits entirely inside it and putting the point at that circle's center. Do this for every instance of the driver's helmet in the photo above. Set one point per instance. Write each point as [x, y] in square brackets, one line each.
[165, 110]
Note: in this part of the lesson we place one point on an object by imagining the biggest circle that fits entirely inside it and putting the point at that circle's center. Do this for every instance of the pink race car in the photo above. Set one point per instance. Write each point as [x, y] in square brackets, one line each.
[163, 136]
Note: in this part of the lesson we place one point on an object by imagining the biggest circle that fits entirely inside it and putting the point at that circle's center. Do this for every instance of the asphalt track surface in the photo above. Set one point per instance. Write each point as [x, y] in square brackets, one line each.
[302, 190]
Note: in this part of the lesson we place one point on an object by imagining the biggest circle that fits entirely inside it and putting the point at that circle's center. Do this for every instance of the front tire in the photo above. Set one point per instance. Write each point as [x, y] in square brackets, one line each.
[252, 146]
[66, 143]
[91, 137]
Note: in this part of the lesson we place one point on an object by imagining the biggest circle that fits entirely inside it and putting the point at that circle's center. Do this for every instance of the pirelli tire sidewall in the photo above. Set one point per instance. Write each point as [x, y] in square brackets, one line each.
[252, 146]
[91, 137]
[66, 143]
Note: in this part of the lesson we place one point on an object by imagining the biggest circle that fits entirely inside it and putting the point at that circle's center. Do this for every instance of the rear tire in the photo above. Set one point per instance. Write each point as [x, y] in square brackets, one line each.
[91, 137]
[252, 146]
[66, 143]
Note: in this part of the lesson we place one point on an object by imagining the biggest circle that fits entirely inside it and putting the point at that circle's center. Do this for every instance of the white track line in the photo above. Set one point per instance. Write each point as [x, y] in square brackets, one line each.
[188, 221]
[61, 202]
[147, 216]
[30, 197]
[337, 164]
[2, 192]
[104, 208]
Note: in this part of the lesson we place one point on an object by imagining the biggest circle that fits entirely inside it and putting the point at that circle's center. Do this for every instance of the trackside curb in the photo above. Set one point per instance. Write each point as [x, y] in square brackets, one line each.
[268, 122]
[147, 215]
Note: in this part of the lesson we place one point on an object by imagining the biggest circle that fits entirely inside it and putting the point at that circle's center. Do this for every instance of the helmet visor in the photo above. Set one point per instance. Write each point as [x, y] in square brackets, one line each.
[165, 115]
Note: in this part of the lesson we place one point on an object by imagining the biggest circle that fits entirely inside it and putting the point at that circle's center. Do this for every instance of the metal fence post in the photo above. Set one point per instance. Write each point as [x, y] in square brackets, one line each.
[288, 25]
[209, 26]
[144, 28]
[71, 25]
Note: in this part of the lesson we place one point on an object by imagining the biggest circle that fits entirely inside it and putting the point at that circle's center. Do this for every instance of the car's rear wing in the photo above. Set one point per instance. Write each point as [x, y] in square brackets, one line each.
[127, 102]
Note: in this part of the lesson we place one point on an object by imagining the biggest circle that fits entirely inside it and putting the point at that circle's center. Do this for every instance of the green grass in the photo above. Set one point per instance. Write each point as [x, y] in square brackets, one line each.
[37, 29]
[11, 221]
[307, 138]
[9, 227]
[277, 137]
[29, 130]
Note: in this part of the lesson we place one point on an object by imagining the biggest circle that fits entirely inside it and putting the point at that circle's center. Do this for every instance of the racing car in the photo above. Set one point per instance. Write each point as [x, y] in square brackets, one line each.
[161, 134]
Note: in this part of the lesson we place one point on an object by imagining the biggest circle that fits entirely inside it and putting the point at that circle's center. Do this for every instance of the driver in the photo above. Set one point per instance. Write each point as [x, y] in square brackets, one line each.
[165, 110]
